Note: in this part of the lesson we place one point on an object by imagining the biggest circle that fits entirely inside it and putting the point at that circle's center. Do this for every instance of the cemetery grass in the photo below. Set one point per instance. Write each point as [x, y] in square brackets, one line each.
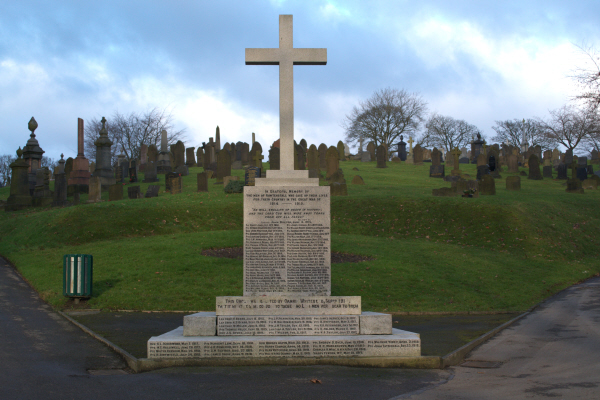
[502, 253]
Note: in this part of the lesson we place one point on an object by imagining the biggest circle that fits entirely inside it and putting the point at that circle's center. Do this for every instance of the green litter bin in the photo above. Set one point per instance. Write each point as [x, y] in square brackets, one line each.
[77, 275]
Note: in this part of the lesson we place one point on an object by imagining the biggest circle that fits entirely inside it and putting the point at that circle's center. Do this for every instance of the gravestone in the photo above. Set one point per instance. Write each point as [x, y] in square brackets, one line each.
[322, 156]
[178, 151]
[455, 154]
[590, 169]
[143, 156]
[80, 174]
[381, 160]
[200, 157]
[304, 145]
[68, 168]
[590, 183]
[152, 154]
[287, 311]
[337, 184]
[223, 165]
[332, 161]
[436, 170]
[218, 139]
[365, 156]
[274, 158]
[250, 176]
[340, 149]
[300, 161]
[152, 191]
[534, 168]
[175, 185]
[562, 171]
[133, 171]
[582, 173]
[190, 157]
[150, 174]
[371, 150]
[228, 179]
[402, 149]
[168, 177]
[418, 155]
[482, 167]
[313, 162]
[115, 192]
[594, 159]
[487, 185]
[574, 186]
[568, 156]
[60, 190]
[202, 182]
[358, 180]
[254, 162]
[245, 153]
[513, 183]
[134, 192]
[476, 148]
[94, 191]
[547, 169]
[164, 160]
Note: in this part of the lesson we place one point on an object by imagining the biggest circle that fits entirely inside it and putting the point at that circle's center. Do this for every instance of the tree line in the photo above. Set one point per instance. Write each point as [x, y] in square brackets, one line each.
[390, 113]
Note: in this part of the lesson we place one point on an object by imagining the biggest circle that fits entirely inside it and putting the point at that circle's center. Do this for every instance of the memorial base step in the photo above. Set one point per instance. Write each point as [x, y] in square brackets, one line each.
[173, 345]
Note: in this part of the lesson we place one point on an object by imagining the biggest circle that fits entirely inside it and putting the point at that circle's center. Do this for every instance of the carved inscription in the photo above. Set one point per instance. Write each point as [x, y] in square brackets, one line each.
[281, 347]
[267, 325]
[288, 305]
[287, 243]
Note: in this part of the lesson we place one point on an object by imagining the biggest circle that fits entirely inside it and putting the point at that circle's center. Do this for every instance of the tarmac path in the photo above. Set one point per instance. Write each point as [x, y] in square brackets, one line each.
[553, 352]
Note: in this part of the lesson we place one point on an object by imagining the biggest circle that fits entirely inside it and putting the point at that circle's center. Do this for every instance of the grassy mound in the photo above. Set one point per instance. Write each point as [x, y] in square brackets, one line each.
[493, 253]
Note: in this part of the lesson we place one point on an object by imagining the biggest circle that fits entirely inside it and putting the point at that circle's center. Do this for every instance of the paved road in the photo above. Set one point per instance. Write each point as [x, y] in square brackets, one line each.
[43, 356]
[552, 353]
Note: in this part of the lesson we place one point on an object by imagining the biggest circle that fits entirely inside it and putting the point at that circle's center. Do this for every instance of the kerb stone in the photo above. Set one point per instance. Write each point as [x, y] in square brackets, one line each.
[200, 324]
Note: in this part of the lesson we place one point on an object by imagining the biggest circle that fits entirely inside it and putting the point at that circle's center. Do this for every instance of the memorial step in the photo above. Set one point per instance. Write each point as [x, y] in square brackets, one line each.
[210, 324]
[173, 345]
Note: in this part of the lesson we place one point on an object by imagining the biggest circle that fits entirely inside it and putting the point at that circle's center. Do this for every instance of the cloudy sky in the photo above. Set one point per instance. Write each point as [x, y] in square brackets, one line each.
[479, 61]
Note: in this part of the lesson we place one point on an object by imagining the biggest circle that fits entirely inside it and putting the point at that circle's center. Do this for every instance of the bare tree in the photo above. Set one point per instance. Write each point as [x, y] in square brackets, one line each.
[129, 132]
[5, 171]
[570, 125]
[516, 130]
[383, 117]
[446, 132]
[588, 77]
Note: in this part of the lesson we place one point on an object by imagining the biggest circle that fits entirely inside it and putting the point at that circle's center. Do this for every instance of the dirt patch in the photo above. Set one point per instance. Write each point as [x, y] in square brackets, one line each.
[238, 253]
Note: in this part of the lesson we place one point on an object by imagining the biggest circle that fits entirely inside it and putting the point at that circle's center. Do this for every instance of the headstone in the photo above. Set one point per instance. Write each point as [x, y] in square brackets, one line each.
[250, 176]
[175, 185]
[381, 160]
[80, 175]
[168, 177]
[228, 179]
[365, 156]
[304, 145]
[574, 186]
[300, 163]
[152, 154]
[103, 158]
[133, 192]
[152, 191]
[245, 153]
[487, 185]
[92, 167]
[476, 148]
[150, 174]
[595, 159]
[337, 183]
[202, 182]
[253, 162]
[223, 165]
[143, 156]
[115, 192]
[581, 173]
[436, 170]
[534, 168]
[190, 157]
[313, 161]
[332, 162]
[358, 180]
[590, 183]
[418, 155]
[562, 171]
[371, 150]
[200, 157]
[402, 149]
[94, 191]
[164, 160]
[68, 168]
[322, 156]
[513, 183]
[340, 149]
[133, 172]
[568, 156]
[455, 154]
[274, 158]
[178, 151]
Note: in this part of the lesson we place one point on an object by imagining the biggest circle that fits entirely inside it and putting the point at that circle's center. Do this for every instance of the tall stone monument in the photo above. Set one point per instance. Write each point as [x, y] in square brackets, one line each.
[286, 313]
[32, 154]
[20, 197]
[80, 175]
[103, 158]
[163, 165]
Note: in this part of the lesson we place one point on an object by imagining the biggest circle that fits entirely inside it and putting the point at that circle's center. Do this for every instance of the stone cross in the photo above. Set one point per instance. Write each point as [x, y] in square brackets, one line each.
[286, 56]
[258, 157]
[410, 142]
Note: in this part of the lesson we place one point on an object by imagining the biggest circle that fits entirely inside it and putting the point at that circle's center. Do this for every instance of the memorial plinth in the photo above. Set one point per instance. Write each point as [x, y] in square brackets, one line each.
[287, 312]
